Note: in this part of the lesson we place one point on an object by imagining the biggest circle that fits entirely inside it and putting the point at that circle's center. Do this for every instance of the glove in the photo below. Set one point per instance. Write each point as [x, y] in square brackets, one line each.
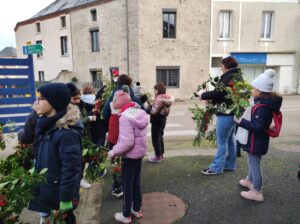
[110, 154]
[237, 120]
[92, 118]
[65, 206]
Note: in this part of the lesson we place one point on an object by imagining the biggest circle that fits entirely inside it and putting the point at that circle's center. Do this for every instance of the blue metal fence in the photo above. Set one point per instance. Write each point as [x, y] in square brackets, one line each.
[17, 90]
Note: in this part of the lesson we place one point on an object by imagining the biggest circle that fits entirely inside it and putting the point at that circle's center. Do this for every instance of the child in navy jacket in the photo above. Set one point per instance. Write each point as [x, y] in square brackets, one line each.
[258, 139]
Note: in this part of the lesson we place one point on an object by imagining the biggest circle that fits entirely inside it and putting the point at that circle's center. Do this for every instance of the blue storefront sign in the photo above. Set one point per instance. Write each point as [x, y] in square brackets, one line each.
[250, 58]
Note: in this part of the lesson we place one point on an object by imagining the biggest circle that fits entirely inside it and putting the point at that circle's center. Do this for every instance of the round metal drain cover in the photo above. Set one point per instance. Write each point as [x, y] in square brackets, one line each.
[161, 208]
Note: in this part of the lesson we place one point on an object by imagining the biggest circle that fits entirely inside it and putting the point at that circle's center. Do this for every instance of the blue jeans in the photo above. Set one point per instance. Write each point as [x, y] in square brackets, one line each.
[226, 154]
[254, 171]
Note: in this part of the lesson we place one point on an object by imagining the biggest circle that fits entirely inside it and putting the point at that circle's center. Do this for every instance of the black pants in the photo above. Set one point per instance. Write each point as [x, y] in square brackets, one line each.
[116, 185]
[131, 182]
[157, 133]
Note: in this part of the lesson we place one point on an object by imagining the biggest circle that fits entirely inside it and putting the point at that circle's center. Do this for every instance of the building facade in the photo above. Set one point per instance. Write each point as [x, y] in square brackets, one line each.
[150, 40]
[178, 42]
[261, 34]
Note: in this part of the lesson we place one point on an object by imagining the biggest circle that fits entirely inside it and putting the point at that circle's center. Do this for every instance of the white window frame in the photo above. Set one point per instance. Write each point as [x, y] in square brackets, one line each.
[267, 25]
[225, 24]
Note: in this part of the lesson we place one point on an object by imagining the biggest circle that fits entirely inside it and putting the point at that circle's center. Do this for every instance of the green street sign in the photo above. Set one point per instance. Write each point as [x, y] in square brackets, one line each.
[33, 49]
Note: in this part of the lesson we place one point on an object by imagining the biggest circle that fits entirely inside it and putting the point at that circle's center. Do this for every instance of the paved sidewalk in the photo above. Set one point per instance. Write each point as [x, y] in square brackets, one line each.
[184, 167]
[216, 199]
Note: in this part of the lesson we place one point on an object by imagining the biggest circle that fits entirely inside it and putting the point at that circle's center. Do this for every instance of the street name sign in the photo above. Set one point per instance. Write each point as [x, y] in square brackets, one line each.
[33, 49]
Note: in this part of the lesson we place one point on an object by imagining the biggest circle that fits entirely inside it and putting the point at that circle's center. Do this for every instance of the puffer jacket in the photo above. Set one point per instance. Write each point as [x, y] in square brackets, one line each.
[261, 119]
[59, 150]
[113, 125]
[132, 141]
[160, 108]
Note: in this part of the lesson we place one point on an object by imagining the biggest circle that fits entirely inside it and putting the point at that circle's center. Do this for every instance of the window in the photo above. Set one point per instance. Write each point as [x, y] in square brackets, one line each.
[64, 45]
[41, 54]
[169, 76]
[41, 76]
[63, 22]
[225, 24]
[38, 27]
[216, 62]
[94, 14]
[169, 24]
[95, 40]
[266, 25]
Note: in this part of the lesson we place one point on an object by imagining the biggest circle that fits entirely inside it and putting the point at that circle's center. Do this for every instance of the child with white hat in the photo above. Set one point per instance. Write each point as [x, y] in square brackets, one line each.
[266, 101]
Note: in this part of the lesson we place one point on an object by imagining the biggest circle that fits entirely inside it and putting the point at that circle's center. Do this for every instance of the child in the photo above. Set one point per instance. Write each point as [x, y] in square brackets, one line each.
[258, 140]
[59, 150]
[159, 112]
[132, 146]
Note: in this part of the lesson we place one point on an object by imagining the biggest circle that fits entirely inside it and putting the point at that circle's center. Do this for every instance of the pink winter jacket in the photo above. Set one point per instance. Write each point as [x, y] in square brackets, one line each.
[162, 104]
[132, 141]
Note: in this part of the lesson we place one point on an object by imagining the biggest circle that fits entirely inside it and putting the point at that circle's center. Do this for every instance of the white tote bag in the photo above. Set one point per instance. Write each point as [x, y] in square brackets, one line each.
[242, 134]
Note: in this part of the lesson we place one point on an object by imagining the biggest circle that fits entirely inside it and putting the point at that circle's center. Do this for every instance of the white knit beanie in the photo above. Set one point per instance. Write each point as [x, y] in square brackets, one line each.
[265, 81]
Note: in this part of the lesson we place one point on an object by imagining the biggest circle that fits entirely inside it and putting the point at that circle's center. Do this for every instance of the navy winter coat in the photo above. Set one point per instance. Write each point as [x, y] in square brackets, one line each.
[59, 150]
[258, 139]
[217, 96]
[106, 109]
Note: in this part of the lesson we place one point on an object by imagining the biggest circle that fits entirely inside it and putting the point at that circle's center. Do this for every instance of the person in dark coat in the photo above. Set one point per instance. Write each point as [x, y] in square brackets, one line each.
[225, 159]
[258, 139]
[26, 135]
[122, 80]
[59, 151]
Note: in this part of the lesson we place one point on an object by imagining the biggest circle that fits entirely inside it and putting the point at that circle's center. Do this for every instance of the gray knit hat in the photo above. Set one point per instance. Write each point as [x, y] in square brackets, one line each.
[265, 81]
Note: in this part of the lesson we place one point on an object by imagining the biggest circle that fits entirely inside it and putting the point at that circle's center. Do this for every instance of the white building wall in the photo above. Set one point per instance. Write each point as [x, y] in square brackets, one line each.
[245, 35]
[285, 79]
[52, 62]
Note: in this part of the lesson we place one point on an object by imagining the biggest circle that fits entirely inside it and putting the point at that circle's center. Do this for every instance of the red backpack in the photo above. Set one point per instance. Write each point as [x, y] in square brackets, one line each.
[273, 131]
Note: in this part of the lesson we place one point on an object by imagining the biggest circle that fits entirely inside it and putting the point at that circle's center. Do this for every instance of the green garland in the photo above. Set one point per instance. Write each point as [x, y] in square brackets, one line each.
[239, 92]
[16, 192]
[95, 156]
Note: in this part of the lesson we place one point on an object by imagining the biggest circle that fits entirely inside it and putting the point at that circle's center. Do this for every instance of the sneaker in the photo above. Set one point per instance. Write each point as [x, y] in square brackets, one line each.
[253, 195]
[120, 218]
[208, 172]
[138, 214]
[103, 173]
[155, 159]
[117, 192]
[84, 184]
[45, 220]
[246, 183]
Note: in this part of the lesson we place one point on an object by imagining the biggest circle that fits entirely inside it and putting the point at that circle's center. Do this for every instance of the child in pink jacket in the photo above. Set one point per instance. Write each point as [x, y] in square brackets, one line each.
[132, 146]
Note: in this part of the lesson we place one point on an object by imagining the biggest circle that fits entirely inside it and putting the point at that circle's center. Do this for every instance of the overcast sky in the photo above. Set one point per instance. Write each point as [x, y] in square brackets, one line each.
[13, 11]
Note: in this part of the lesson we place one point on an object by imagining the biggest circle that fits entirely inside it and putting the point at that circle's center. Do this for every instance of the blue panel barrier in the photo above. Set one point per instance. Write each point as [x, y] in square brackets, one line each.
[16, 93]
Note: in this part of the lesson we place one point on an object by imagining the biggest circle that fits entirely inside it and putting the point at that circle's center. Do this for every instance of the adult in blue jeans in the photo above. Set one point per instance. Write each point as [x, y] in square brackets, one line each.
[225, 159]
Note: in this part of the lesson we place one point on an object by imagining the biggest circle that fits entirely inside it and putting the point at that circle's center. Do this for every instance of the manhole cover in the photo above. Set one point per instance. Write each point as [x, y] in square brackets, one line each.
[161, 208]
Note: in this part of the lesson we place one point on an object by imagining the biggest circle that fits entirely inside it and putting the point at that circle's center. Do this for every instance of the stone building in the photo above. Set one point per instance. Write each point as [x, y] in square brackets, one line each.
[151, 40]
